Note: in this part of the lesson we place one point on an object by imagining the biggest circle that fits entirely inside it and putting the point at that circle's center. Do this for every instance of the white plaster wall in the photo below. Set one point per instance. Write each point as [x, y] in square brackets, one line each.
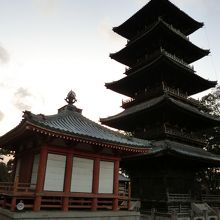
[55, 171]
[82, 175]
[106, 177]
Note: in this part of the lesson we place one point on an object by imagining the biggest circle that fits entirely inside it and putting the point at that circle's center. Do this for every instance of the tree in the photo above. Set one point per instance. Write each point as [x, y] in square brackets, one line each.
[210, 178]
[4, 175]
[5, 168]
[212, 101]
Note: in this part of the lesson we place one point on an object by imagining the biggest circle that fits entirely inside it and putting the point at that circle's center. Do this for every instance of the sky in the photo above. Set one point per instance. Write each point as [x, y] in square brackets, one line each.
[49, 47]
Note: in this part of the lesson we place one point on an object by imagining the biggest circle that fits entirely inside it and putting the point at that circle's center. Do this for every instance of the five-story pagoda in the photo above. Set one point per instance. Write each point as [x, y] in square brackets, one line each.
[159, 81]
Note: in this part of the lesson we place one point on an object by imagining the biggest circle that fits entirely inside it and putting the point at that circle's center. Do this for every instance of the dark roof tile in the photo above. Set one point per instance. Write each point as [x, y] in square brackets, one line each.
[71, 122]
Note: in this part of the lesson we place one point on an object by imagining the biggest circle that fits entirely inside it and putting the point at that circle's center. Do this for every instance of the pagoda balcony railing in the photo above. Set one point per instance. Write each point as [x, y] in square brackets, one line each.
[183, 96]
[170, 26]
[154, 92]
[178, 60]
[179, 197]
[181, 133]
[170, 131]
[141, 61]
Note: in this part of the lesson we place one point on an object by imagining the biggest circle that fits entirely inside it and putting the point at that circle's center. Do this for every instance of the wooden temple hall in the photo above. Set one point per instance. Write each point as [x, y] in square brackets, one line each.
[68, 162]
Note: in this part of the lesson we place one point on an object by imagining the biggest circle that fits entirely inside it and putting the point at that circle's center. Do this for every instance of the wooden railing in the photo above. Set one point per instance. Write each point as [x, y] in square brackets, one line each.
[9, 187]
[171, 131]
[177, 59]
[147, 58]
[6, 186]
[12, 193]
[179, 203]
[183, 134]
[210, 198]
[178, 197]
[154, 92]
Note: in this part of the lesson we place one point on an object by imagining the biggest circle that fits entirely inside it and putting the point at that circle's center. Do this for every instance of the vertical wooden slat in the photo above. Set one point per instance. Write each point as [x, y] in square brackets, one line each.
[15, 187]
[67, 182]
[95, 183]
[40, 177]
[116, 185]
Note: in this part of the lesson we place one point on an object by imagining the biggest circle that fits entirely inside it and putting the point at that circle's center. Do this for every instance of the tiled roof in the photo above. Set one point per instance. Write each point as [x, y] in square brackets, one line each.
[153, 102]
[143, 76]
[128, 30]
[165, 147]
[69, 121]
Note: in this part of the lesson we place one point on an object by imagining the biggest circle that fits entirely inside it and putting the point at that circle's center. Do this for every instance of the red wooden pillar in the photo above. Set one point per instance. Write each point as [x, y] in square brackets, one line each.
[13, 204]
[95, 183]
[115, 185]
[13, 200]
[40, 177]
[67, 181]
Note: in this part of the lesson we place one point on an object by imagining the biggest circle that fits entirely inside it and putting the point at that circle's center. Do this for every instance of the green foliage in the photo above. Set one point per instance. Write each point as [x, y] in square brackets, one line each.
[212, 101]
[5, 152]
[5, 172]
[210, 178]
[5, 168]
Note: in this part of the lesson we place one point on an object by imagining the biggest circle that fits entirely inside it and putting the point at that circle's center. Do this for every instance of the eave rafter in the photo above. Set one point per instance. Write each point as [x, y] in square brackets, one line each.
[87, 140]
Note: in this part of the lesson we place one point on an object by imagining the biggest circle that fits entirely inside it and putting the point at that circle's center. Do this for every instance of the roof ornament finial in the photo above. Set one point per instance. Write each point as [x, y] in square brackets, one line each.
[71, 97]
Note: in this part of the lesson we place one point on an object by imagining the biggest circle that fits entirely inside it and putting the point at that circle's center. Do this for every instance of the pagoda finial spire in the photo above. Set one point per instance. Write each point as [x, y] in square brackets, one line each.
[71, 97]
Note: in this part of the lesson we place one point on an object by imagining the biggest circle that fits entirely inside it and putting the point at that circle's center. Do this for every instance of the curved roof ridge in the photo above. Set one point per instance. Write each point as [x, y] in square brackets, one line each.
[170, 147]
[74, 123]
[157, 25]
[142, 11]
[149, 103]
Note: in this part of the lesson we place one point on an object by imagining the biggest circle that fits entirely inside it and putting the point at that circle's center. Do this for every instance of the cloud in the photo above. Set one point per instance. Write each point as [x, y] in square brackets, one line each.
[4, 55]
[46, 7]
[22, 99]
[105, 30]
[1, 115]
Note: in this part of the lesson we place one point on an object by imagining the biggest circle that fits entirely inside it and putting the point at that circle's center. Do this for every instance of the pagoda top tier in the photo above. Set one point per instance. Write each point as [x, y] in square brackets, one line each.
[150, 12]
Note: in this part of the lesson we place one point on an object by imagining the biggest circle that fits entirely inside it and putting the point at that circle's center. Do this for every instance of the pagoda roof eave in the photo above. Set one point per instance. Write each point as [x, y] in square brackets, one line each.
[127, 28]
[147, 105]
[177, 149]
[73, 127]
[122, 86]
[122, 55]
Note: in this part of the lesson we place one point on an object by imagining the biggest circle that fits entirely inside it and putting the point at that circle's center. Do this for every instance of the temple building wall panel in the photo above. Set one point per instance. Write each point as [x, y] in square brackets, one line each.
[82, 174]
[55, 171]
[106, 177]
